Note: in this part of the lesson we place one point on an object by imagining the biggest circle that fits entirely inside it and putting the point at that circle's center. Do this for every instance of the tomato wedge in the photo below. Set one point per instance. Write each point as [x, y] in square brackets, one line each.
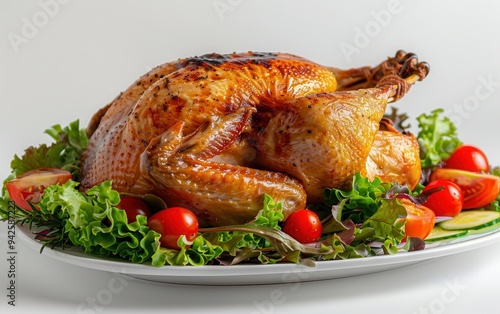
[29, 186]
[478, 189]
[419, 220]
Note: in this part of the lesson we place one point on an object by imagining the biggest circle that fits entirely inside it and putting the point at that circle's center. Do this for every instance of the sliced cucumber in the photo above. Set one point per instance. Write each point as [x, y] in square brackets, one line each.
[472, 220]
[440, 234]
[485, 229]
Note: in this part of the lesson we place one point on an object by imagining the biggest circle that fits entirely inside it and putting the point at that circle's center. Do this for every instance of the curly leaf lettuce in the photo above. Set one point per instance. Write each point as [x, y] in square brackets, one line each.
[437, 138]
[377, 217]
[387, 224]
[92, 222]
[360, 202]
[64, 153]
[270, 216]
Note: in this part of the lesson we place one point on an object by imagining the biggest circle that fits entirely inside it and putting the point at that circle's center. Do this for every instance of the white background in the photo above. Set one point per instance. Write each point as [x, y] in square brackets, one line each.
[62, 60]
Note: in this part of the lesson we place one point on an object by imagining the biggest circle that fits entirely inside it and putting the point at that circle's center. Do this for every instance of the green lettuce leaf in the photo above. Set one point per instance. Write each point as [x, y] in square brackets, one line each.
[378, 217]
[360, 202]
[437, 137]
[388, 224]
[270, 216]
[201, 252]
[92, 222]
[64, 153]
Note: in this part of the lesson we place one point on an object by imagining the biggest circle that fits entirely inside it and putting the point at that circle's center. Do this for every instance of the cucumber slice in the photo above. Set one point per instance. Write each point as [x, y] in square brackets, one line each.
[472, 220]
[440, 234]
[485, 229]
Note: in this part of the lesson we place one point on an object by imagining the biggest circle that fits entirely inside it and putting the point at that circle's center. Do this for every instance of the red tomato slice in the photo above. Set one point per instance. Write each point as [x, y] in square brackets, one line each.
[172, 223]
[304, 226]
[479, 189]
[29, 186]
[419, 220]
[468, 157]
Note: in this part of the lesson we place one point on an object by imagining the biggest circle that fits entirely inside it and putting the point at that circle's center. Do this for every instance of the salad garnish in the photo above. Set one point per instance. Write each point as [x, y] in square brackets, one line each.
[366, 220]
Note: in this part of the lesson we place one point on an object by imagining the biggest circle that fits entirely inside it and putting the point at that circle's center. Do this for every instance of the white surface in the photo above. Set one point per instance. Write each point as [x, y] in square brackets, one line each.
[84, 52]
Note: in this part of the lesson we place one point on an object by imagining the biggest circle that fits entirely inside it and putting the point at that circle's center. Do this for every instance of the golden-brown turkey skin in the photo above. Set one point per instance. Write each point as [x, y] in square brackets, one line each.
[394, 157]
[203, 87]
[324, 139]
[193, 91]
[119, 109]
[217, 132]
[220, 193]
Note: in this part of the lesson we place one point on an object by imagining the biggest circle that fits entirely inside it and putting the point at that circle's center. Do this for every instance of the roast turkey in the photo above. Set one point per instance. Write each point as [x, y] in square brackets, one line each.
[215, 133]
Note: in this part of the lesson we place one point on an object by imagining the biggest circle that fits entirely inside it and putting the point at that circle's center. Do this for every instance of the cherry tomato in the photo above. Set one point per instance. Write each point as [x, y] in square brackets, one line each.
[304, 226]
[478, 189]
[468, 157]
[419, 220]
[30, 185]
[172, 223]
[447, 202]
[134, 206]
